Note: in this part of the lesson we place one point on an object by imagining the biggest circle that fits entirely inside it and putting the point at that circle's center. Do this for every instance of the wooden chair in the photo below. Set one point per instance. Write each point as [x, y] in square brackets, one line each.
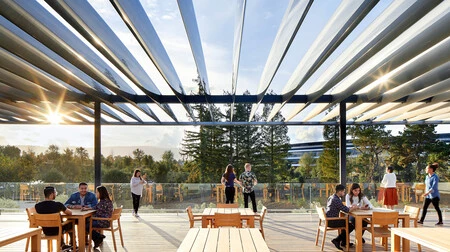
[419, 190]
[323, 225]
[260, 218]
[115, 217]
[31, 221]
[24, 192]
[223, 205]
[227, 220]
[53, 220]
[192, 217]
[380, 225]
[159, 192]
[414, 217]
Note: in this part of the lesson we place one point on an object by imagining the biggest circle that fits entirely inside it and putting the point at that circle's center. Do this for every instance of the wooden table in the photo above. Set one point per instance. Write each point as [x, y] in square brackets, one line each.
[246, 214]
[223, 239]
[80, 217]
[10, 235]
[360, 215]
[434, 238]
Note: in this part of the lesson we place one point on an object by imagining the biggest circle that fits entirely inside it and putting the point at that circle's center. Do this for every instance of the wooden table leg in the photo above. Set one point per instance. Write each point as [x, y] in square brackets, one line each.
[36, 242]
[204, 222]
[405, 242]
[358, 233]
[81, 234]
[395, 240]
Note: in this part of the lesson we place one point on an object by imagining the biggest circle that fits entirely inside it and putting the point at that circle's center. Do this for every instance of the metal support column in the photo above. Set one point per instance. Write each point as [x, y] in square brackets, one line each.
[97, 145]
[342, 143]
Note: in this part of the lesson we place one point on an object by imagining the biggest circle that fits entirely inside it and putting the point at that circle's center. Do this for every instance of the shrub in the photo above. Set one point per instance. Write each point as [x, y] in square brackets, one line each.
[8, 203]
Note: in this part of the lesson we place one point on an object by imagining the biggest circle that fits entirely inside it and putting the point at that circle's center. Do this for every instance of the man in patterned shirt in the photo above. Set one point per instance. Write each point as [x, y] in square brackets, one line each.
[334, 206]
[248, 180]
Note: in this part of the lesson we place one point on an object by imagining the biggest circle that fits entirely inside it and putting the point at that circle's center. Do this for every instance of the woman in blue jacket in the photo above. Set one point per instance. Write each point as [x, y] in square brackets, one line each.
[431, 193]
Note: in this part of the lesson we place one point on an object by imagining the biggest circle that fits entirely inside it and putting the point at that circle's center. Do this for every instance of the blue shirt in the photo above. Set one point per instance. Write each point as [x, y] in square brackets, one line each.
[229, 182]
[90, 199]
[431, 182]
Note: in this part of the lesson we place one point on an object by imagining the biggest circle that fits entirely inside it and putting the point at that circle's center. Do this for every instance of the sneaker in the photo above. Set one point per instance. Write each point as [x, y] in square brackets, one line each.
[98, 242]
[66, 247]
[136, 215]
[439, 224]
[420, 222]
[133, 213]
[350, 244]
[336, 244]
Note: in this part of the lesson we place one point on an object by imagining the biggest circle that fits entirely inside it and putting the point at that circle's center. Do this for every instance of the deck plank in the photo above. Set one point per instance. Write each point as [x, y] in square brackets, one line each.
[165, 232]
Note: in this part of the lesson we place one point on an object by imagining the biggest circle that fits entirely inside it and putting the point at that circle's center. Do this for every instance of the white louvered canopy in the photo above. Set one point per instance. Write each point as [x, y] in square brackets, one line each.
[387, 63]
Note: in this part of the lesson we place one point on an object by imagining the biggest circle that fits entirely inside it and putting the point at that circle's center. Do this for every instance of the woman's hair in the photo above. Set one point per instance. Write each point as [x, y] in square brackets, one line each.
[360, 195]
[390, 169]
[103, 193]
[434, 166]
[136, 171]
[228, 171]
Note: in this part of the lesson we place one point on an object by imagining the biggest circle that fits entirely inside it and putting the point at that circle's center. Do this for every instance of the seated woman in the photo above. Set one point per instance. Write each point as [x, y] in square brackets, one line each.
[356, 198]
[104, 209]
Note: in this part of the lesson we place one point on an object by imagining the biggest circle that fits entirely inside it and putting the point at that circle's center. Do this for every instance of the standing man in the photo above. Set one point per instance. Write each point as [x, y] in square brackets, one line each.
[431, 193]
[334, 206]
[248, 180]
[81, 198]
[49, 206]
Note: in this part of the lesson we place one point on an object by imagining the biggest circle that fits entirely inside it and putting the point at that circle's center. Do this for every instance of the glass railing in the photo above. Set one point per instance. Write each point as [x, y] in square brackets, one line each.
[176, 197]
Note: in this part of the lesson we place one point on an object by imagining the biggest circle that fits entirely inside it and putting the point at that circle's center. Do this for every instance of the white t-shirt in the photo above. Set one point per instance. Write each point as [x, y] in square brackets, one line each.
[389, 181]
[365, 201]
[136, 186]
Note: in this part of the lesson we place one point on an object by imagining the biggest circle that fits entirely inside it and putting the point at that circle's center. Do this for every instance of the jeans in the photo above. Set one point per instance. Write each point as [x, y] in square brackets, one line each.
[136, 199]
[229, 194]
[341, 223]
[426, 203]
[252, 197]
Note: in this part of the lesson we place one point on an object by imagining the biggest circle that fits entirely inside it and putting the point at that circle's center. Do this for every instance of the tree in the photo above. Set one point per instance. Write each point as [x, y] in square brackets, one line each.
[328, 162]
[274, 152]
[412, 147]
[306, 166]
[370, 141]
[138, 156]
[10, 151]
[207, 146]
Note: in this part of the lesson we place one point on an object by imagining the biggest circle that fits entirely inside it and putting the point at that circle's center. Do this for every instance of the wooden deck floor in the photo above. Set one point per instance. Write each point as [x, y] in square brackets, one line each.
[165, 232]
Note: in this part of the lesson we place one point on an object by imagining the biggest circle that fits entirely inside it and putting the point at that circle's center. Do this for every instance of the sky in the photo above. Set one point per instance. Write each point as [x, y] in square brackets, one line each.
[216, 26]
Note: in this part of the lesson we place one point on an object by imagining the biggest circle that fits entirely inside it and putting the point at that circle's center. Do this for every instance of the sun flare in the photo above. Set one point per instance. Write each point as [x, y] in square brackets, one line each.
[54, 118]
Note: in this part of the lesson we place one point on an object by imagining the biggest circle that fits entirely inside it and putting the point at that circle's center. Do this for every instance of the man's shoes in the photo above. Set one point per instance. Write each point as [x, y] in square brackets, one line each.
[136, 215]
[350, 244]
[66, 247]
[420, 222]
[98, 242]
[133, 213]
[336, 244]
[439, 224]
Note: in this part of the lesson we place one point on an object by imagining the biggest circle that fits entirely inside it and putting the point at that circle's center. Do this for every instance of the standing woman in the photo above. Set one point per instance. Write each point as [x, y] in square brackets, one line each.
[431, 193]
[104, 209]
[228, 179]
[137, 184]
[389, 183]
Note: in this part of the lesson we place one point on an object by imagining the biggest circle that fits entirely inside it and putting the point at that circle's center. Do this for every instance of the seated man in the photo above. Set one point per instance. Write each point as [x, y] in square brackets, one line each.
[81, 198]
[334, 206]
[49, 206]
